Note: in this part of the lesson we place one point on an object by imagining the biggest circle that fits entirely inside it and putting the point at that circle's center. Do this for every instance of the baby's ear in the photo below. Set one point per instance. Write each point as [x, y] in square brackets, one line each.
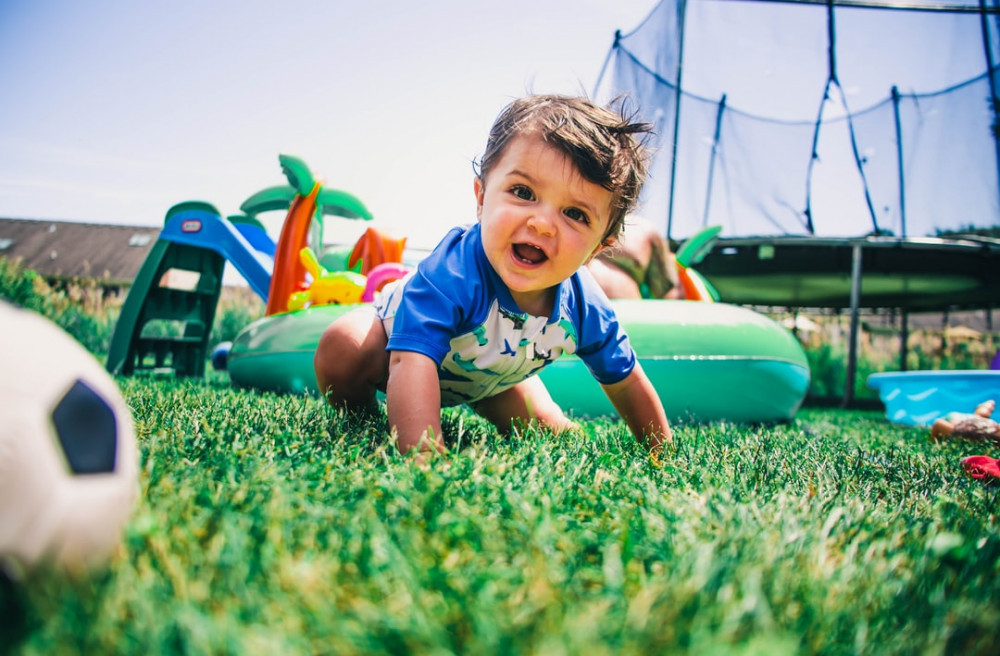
[480, 189]
[607, 243]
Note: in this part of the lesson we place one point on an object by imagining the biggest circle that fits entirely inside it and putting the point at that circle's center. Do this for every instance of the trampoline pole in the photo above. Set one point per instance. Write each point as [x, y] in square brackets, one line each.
[711, 161]
[992, 77]
[678, 97]
[852, 345]
[904, 336]
[899, 162]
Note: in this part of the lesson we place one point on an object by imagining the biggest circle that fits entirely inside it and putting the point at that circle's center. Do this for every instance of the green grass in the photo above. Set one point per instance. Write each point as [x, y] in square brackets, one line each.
[275, 525]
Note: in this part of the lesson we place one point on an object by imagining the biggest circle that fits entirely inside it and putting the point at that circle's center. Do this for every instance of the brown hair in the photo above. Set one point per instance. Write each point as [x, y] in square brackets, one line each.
[601, 142]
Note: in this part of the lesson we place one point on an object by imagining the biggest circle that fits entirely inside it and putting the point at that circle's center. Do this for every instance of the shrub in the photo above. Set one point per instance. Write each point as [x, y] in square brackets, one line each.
[23, 287]
[238, 308]
[878, 351]
[78, 308]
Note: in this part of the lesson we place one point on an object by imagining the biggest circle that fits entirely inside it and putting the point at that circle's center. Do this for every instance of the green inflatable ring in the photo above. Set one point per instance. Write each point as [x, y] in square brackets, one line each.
[707, 361]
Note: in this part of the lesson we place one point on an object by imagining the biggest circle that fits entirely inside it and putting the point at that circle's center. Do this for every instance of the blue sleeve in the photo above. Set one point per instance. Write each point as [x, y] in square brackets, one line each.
[603, 344]
[434, 302]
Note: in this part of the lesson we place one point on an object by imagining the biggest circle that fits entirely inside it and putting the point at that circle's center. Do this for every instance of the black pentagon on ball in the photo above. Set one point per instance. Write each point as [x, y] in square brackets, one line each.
[87, 430]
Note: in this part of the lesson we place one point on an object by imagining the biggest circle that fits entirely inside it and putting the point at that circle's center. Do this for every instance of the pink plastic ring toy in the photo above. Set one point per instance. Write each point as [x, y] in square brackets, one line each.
[381, 274]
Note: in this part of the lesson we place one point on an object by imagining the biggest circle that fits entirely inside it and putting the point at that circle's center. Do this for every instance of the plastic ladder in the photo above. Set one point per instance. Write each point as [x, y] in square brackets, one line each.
[159, 302]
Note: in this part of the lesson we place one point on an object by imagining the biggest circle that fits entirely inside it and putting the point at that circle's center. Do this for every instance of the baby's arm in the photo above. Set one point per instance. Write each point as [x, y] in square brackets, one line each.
[640, 407]
[413, 401]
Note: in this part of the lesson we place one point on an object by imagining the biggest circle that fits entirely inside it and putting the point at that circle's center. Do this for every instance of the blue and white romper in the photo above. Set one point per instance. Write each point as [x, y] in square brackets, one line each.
[457, 311]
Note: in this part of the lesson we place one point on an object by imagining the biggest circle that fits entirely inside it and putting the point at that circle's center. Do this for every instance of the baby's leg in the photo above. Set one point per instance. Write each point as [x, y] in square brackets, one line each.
[986, 408]
[526, 401]
[351, 361]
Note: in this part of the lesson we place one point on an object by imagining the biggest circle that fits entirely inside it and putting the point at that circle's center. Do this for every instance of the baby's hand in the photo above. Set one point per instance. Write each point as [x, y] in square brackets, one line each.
[428, 458]
[568, 425]
[657, 456]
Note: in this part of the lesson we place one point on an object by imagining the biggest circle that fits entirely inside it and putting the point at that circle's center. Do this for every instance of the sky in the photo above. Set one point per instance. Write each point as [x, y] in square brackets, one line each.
[115, 110]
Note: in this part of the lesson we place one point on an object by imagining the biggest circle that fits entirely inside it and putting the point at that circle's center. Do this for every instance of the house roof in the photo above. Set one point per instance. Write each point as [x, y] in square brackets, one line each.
[66, 249]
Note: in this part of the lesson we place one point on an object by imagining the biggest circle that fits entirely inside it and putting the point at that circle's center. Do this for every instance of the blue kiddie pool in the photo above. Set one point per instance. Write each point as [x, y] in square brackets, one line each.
[918, 398]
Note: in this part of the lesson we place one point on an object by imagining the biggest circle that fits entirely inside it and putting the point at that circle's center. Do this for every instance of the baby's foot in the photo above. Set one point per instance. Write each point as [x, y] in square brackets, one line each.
[986, 408]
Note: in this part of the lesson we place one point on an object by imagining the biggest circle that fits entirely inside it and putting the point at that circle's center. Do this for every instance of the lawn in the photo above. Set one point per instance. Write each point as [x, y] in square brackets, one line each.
[276, 525]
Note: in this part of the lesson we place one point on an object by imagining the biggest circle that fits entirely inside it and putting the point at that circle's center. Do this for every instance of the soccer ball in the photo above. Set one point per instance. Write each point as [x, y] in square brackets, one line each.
[68, 456]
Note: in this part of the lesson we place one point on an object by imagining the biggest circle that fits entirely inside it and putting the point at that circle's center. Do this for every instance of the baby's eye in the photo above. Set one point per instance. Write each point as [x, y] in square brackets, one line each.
[522, 192]
[577, 215]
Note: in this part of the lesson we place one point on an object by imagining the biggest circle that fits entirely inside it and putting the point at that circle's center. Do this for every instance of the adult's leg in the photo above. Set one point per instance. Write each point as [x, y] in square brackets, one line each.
[351, 361]
[640, 256]
[525, 402]
[661, 275]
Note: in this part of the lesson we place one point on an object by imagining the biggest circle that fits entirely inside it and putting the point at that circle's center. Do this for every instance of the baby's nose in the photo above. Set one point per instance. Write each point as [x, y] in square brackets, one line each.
[542, 222]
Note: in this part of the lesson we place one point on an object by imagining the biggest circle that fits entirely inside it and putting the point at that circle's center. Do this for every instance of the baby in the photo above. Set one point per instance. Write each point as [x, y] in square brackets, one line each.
[496, 302]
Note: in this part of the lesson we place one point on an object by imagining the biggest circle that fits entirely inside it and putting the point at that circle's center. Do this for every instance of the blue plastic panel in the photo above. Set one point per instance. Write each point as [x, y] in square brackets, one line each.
[918, 398]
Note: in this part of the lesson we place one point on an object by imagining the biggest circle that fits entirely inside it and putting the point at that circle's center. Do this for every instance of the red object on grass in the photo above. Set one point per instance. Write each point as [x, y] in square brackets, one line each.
[982, 468]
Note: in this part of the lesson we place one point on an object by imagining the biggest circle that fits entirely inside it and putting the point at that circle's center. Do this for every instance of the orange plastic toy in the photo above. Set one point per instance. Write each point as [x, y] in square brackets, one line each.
[694, 285]
[289, 272]
[374, 248]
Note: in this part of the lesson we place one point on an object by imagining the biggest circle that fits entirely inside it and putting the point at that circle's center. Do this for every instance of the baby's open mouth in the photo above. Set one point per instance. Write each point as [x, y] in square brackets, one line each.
[529, 254]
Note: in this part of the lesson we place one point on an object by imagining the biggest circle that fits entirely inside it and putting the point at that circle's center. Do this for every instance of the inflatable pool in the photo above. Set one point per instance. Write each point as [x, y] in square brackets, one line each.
[918, 398]
[707, 361]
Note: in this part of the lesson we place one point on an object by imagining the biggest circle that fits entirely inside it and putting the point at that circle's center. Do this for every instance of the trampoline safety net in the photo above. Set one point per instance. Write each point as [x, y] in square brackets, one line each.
[815, 117]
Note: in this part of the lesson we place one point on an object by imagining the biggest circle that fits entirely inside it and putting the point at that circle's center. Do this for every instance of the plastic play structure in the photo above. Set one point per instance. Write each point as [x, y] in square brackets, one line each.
[181, 279]
[707, 360]
[179, 283]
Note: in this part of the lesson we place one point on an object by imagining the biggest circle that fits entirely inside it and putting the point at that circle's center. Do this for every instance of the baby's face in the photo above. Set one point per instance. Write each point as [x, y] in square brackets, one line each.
[541, 220]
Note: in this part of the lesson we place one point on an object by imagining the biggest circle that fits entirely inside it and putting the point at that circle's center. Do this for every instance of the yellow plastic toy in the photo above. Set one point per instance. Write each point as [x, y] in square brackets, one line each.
[327, 286]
